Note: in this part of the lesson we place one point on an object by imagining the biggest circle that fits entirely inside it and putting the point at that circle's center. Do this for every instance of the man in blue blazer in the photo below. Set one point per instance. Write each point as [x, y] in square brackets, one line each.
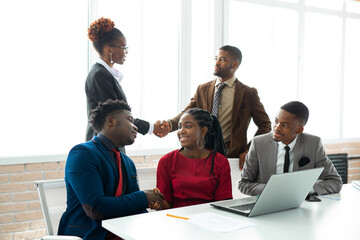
[92, 176]
[288, 149]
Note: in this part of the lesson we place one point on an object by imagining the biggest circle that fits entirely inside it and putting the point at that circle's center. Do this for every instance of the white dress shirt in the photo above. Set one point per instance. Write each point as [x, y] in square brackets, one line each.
[281, 156]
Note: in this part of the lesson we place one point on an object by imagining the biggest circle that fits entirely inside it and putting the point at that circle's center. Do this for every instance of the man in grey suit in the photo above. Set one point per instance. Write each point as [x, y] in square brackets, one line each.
[288, 149]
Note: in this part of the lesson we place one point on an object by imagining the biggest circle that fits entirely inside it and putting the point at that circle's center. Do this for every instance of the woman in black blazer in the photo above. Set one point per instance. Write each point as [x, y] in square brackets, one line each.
[103, 80]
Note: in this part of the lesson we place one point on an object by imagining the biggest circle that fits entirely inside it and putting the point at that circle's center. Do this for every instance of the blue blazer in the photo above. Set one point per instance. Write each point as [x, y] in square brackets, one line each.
[91, 181]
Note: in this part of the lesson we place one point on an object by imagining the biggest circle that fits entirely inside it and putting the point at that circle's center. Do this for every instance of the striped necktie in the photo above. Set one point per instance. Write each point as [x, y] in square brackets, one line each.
[217, 99]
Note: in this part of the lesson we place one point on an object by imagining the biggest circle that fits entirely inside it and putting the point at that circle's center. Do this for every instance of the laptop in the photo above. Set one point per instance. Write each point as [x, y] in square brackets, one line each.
[282, 192]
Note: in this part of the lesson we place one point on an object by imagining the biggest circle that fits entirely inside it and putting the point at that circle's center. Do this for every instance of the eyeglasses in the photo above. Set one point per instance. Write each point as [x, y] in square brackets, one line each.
[123, 47]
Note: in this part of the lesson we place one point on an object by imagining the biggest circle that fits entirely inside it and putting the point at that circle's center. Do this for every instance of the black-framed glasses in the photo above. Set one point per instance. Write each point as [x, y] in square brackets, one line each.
[123, 47]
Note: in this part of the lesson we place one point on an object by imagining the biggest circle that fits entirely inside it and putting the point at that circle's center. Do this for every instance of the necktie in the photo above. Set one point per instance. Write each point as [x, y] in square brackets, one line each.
[287, 159]
[118, 161]
[217, 99]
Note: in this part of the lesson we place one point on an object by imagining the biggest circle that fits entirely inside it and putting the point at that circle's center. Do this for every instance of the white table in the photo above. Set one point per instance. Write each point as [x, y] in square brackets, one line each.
[328, 219]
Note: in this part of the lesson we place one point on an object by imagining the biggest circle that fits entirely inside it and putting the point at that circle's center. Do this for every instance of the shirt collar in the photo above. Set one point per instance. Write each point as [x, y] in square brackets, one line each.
[230, 82]
[117, 75]
[106, 142]
[291, 145]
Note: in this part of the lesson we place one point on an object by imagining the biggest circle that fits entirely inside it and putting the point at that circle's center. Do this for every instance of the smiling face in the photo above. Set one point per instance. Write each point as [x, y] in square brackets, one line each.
[189, 131]
[286, 127]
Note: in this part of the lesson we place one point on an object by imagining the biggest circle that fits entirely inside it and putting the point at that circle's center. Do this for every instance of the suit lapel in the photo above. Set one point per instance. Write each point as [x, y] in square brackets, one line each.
[121, 92]
[238, 97]
[272, 156]
[123, 96]
[105, 154]
[210, 96]
[126, 167]
[298, 152]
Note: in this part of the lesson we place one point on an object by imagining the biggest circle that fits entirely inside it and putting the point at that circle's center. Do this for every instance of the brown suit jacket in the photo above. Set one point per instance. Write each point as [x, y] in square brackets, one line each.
[246, 105]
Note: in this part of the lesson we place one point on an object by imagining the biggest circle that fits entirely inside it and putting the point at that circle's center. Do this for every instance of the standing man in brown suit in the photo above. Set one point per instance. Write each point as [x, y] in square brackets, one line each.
[237, 104]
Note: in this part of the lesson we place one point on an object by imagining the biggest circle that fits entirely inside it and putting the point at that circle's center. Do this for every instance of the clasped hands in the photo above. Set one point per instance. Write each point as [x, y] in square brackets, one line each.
[155, 199]
[161, 128]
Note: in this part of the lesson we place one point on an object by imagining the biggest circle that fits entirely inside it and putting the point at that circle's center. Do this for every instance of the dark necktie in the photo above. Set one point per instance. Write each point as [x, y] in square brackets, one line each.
[118, 161]
[110, 235]
[217, 99]
[287, 159]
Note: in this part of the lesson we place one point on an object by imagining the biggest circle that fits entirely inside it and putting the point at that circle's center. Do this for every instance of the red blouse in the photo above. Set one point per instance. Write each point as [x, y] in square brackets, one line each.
[185, 181]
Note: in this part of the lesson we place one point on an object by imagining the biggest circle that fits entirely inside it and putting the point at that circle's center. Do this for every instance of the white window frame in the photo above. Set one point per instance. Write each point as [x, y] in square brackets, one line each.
[221, 34]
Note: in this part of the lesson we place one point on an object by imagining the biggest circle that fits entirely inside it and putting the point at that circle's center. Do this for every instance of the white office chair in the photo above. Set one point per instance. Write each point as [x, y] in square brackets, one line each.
[52, 195]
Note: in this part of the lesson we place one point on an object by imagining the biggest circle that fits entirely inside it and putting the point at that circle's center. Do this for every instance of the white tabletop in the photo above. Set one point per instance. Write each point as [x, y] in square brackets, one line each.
[328, 219]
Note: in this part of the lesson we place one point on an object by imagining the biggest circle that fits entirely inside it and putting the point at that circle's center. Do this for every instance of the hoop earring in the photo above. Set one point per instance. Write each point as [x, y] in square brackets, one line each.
[203, 140]
[111, 61]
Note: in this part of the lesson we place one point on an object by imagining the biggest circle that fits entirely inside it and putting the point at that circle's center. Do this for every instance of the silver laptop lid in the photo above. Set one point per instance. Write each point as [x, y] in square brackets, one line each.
[285, 191]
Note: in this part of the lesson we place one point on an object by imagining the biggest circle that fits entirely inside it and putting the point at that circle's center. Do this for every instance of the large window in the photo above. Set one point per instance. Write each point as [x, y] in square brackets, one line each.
[321, 86]
[268, 39]
[351, 114]
[305, 50]
[151, 73]
[43, 69]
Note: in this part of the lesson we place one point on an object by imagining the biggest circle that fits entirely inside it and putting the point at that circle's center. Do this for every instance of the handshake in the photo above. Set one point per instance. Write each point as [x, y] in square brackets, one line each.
[162, 128]
[155, 199]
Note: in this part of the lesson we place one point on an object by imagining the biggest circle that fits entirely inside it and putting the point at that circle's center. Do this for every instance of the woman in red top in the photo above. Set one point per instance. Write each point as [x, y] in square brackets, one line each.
[198, 172]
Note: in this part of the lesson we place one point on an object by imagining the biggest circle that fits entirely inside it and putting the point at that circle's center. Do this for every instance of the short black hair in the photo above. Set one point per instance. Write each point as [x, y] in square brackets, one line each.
[298, 109]
[234, 52]
[103, 110]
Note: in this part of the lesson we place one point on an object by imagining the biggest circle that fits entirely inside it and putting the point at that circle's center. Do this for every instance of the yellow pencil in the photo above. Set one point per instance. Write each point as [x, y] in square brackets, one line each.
[170, 215]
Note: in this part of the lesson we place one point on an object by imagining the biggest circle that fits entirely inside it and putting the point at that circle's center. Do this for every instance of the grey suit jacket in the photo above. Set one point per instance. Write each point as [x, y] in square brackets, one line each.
[261, 161]
[101, 85]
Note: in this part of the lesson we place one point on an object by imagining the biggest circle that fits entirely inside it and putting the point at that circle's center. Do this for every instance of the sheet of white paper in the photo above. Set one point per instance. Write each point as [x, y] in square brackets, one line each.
[217, 222]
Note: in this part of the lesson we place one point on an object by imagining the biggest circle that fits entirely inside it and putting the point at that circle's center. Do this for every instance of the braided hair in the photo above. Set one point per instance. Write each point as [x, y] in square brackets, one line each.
[213, 139]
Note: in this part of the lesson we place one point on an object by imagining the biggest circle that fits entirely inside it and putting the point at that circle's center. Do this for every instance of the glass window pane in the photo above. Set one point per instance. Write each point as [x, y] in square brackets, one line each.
[290, 1]
[353, 6]
[269, 46]
[321, 78]
[202, 43]
[42, 84]
[151, 67]
[351, 111]
[333, 4]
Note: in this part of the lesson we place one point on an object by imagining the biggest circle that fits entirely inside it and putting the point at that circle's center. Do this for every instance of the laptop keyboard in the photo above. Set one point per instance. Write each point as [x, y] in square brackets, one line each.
[244, 207]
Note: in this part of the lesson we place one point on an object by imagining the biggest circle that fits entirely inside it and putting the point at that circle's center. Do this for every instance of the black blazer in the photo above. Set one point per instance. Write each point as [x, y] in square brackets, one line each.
[101, 85]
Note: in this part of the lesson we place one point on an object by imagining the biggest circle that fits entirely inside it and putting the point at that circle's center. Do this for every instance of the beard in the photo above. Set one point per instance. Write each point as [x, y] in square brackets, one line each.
[223, 73]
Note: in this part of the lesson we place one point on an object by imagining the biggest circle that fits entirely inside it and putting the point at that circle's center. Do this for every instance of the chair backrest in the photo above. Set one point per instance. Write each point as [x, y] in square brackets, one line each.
[340, 162]
[235, 178]
[52, 195]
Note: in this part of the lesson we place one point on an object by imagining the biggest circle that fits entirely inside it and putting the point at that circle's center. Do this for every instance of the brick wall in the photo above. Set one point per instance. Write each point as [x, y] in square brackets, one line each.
[20, 211]
[352, 149]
